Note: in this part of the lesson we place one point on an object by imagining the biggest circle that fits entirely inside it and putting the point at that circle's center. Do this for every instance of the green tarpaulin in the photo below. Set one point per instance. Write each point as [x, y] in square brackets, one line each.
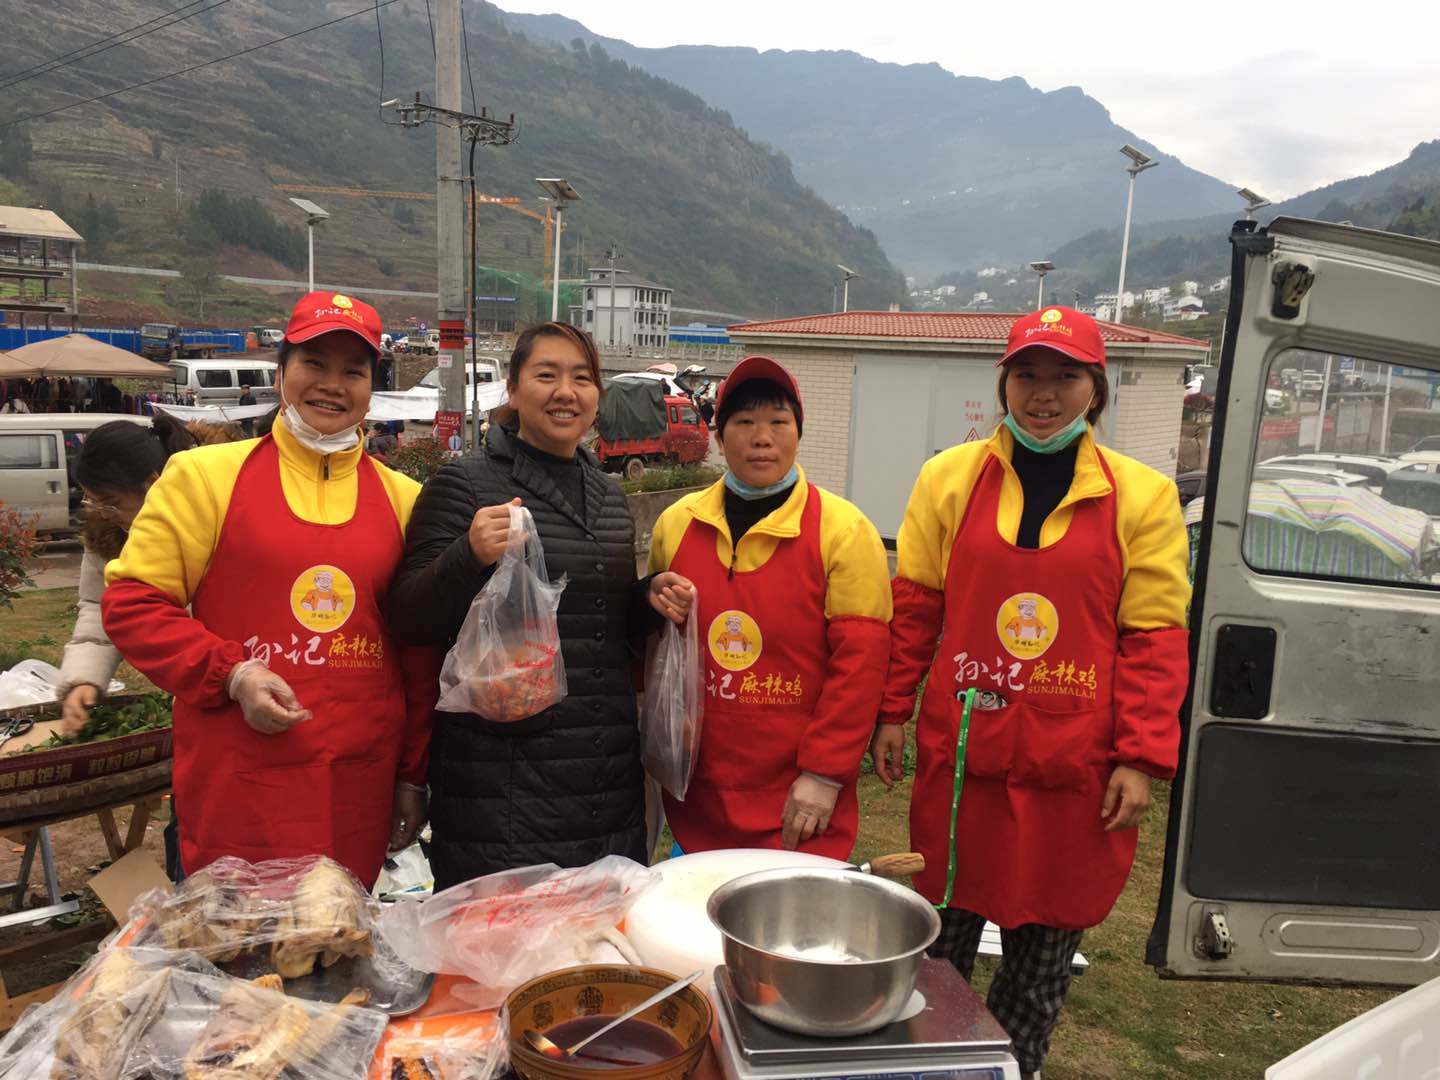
[632, 409]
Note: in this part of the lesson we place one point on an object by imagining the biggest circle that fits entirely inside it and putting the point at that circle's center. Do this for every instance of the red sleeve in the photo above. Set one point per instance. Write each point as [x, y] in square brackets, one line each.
[914, 634]
[420, 668]
[840, 729]
[1150, 677]
[167, 645]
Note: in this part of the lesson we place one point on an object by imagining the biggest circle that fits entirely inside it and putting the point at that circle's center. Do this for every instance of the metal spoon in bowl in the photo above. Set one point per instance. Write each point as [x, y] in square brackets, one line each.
[549, 1049]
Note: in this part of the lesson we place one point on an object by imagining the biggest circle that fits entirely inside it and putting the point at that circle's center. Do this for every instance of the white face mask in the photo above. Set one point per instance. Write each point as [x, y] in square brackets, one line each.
[312, 439]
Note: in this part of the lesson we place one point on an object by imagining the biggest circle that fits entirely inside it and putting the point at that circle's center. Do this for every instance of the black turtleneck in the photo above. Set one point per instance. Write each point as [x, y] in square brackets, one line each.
[743, 514]
[565, 472]
[1044, 479]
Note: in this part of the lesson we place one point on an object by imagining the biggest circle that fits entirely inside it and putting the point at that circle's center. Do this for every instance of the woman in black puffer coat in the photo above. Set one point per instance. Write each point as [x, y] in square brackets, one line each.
[563, 786]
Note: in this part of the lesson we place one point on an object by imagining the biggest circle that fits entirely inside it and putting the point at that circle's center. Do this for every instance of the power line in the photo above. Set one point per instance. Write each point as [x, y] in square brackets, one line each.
[75, 56]
[101, 41]
[465, 37]
[194, 67]
[431, 21]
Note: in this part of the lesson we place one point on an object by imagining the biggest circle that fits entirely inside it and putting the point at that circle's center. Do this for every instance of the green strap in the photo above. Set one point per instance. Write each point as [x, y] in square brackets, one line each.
[955, 799]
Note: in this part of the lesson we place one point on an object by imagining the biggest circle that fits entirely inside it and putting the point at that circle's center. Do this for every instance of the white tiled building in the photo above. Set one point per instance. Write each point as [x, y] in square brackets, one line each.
[623, 310]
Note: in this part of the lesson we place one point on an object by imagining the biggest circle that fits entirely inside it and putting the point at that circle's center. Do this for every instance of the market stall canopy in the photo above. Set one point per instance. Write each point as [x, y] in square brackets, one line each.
[217, 414]
[421, 402]
[11, 368]
[78, 354]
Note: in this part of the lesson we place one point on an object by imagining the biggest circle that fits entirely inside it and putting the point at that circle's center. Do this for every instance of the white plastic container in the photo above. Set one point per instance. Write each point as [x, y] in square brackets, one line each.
[668, 927]
[1399, 1040]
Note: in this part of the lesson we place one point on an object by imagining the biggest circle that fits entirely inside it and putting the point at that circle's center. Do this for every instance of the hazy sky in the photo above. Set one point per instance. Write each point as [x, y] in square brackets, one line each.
[1273, 96]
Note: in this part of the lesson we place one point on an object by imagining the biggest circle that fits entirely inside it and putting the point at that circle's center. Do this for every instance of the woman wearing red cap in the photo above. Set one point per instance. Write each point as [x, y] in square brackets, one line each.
[1052, 571]
[300, 726]
[794, 602]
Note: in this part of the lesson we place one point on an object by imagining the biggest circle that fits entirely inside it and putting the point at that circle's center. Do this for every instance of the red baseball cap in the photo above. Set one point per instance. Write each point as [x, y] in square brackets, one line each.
[760, 367]
[322, 312]
[1069, 332]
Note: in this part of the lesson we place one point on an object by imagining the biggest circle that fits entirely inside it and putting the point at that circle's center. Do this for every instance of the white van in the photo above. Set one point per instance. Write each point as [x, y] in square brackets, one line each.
[483, 371]
[218, 382]
[37, 456]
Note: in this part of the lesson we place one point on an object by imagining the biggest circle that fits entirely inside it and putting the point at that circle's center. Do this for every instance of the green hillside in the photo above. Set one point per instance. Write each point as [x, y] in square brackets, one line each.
[689, 199]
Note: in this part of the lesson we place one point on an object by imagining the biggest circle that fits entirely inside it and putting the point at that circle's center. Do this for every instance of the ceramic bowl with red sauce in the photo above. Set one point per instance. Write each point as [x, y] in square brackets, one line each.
[665, 1042]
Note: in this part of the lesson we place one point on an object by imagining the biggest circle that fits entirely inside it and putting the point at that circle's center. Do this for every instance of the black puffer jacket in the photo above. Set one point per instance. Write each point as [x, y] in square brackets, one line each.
[565, 786]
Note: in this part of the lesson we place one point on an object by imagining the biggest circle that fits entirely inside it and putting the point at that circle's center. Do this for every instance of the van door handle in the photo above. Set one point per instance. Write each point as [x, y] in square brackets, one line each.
[54, 486]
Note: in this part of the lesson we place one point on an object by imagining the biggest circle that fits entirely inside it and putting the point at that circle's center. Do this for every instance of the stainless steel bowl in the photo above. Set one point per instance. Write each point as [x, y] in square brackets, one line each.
[823, 952]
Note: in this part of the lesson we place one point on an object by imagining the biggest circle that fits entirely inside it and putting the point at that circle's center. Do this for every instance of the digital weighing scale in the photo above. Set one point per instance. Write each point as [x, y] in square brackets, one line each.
[949, 1035]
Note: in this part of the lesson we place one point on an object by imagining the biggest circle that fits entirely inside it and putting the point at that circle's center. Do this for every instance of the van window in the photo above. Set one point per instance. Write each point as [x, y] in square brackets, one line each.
[254, 379]
[179, 373]
[213, 378]
[28, 452]
[1301, 522]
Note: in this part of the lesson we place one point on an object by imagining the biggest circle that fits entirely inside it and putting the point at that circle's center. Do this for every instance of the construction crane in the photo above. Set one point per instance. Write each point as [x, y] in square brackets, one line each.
[509, 202]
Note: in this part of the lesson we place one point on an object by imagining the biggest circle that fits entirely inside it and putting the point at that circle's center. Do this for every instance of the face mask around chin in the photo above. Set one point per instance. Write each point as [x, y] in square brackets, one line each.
[313, 439]
[1055, 443]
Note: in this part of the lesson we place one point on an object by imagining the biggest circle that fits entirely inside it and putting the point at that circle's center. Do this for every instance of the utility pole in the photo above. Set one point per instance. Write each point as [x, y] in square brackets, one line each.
[453, 126]
[449, 210]
[610, 256]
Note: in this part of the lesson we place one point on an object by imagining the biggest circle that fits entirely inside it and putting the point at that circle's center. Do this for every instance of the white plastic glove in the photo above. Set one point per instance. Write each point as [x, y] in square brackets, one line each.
[807, 809]
[265, 699]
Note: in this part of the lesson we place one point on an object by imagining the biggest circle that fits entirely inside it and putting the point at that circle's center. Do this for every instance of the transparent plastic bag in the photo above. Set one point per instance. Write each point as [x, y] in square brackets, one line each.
[506, 663]
[289, 913]
[214, 1027]
[673, 708]
[477, 1051]
[504, 929]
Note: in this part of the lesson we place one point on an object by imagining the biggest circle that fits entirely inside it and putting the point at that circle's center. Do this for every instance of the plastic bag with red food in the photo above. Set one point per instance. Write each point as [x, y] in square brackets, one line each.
[506, 663]
[504, 929]
[673, 708]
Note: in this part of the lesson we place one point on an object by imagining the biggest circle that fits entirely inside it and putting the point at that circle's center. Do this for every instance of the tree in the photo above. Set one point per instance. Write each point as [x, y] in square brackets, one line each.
[200, 278]
[97, 222]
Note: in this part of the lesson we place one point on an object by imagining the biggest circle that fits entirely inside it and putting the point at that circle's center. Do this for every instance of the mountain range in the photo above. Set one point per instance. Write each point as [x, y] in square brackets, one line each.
[688, 198]
[949, 171]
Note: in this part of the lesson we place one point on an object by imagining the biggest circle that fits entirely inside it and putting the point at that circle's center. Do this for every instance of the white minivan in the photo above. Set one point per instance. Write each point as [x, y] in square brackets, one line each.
[218, 382]
[37, 455]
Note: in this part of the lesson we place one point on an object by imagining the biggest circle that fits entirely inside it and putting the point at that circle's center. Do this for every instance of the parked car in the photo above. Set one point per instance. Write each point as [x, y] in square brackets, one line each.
[218, 382]
[1191, 485]
[1417, 486]
[1428, 443]
[268, 337]
[1374, 467]
[1334, 477]
[37, 457]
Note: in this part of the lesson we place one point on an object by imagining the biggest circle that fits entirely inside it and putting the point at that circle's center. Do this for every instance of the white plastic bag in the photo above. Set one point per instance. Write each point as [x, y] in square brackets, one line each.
[673, 709]
[506, 663]
[504, 929]
[33, 682]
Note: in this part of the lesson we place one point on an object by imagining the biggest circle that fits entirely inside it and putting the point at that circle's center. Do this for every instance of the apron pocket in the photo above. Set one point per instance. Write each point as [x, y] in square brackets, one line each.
[990, 747]
[1061, 749]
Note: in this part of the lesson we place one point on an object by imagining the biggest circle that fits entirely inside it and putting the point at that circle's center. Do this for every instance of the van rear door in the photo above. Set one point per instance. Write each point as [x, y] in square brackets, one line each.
[1303, 825]
[33, 477]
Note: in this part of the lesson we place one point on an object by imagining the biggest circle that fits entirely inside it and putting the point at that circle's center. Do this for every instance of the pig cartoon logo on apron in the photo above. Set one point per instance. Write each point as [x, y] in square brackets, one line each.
[735, 640]
[1027, 625]
[322, 598]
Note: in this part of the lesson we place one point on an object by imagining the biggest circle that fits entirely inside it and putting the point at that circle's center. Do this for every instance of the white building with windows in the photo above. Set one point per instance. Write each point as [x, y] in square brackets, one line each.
[623, 310]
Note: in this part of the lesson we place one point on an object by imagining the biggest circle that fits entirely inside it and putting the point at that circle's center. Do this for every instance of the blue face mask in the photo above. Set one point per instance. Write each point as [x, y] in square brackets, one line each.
[1055, 443]
[750, 494]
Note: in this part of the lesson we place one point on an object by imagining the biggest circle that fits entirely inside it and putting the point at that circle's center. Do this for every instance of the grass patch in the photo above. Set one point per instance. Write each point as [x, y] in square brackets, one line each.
[671, 477]
[38, 626]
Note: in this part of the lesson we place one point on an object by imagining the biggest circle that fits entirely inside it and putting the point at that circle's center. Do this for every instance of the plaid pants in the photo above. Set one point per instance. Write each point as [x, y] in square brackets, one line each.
[1029, 985]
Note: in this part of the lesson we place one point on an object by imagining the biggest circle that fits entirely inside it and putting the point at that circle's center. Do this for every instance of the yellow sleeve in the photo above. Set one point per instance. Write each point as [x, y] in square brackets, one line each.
[175, 533]
[669, 531]
[857, 570]
[920, 548]
[402, 491]
[1156, 594]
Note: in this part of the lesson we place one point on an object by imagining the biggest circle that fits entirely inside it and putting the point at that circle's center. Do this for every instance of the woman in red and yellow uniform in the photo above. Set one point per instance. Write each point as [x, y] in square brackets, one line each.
[300, 726]
[794, 602]
[1052, 571]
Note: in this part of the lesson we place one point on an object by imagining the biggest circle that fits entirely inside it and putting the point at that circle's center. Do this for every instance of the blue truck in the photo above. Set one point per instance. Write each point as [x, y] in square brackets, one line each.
[166, 342]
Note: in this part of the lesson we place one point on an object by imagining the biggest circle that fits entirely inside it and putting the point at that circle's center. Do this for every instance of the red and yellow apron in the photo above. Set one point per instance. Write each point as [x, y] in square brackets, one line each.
[765, 650]
[1037, 627]
[305, 598]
